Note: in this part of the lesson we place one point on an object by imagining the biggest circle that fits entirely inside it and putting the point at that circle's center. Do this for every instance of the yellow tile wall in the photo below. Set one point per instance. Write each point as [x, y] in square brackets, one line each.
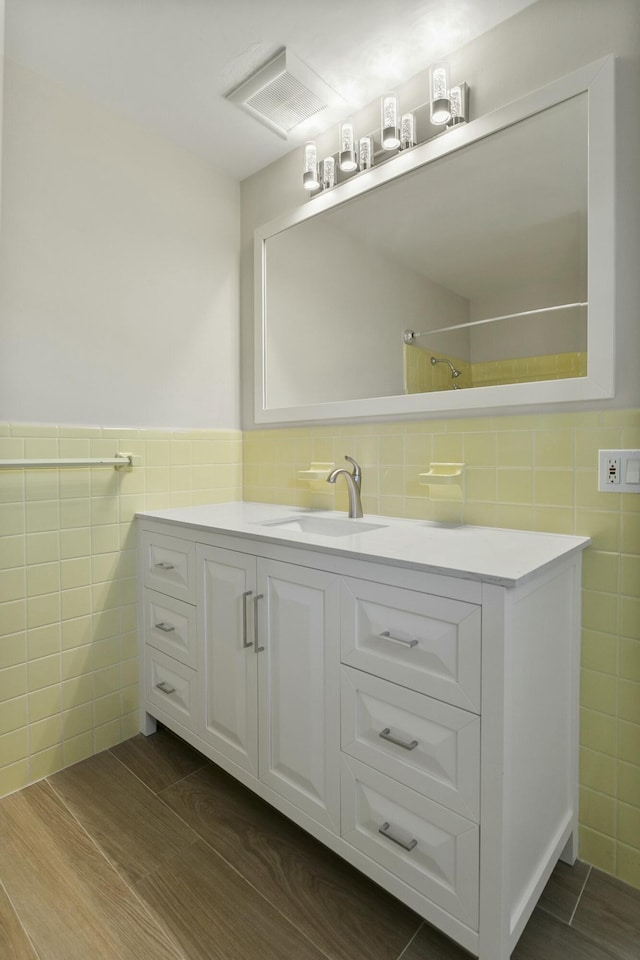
[68, 647]
[420, 376]
[528, 472]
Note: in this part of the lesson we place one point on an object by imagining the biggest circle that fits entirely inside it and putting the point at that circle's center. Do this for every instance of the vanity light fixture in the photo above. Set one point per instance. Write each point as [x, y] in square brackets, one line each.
[439, 93]
[446, 107]
[389, 122]
[366, 153]
[407, 131]
[310, 180]
[347, 151]
[328, 173]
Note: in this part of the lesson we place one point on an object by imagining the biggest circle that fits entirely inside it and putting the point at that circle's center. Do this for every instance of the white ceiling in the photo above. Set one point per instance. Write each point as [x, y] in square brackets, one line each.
[169, 63]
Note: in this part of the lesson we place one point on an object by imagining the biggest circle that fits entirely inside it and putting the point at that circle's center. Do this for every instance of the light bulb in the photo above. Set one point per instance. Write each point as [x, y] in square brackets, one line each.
[439, 93]
[310, 179]
[366, 153]
[347, 153]
[407, 131]
[458, 100]
[389, 123]
[328, 173]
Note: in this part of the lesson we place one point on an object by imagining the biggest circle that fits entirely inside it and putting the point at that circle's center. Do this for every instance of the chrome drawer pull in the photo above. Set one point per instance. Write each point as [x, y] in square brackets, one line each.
[165, 687]
[257, 597]
[406, 744]
[386, 635]
[165, 627]
[245, 642]
[385, 831]
[164, 565]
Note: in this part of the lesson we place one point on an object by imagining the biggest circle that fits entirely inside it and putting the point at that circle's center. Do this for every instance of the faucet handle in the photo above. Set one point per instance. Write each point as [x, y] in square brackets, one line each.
[357, 472]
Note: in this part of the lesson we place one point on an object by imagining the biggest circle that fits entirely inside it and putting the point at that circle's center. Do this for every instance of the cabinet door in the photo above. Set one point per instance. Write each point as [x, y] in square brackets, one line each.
[228, 673]
[299, 683]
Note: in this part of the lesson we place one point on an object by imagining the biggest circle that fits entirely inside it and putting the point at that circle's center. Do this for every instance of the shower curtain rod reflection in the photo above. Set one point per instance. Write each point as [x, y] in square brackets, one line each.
[409, 336]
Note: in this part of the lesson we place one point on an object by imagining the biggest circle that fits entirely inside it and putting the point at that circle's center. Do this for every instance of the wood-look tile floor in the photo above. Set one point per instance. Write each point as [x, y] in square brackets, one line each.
[149, 852]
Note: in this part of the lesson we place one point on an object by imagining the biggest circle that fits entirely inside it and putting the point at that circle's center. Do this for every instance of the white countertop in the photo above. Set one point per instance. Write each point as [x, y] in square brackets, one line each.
[490, 554]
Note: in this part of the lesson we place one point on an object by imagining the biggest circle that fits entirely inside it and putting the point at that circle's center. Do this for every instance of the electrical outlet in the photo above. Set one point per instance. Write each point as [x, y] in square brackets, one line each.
[612, 471]
[619, 471]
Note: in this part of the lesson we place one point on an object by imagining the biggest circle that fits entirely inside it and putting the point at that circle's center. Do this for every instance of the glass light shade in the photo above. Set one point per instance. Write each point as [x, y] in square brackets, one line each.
[328, 173]
[439, 93]
[347, 154]
[407, 131]
[389, 132]
[458, 101]
[366, 153]
[310, 179]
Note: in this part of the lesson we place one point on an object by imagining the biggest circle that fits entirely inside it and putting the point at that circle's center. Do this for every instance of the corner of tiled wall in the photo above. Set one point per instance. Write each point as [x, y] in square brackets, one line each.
[533, 472]
[68, 646]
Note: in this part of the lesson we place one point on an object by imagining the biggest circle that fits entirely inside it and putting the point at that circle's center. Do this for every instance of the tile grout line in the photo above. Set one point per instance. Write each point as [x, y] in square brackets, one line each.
[582, 889]
[411, 940]
[217, 852]
[19, 919]
[180, 955]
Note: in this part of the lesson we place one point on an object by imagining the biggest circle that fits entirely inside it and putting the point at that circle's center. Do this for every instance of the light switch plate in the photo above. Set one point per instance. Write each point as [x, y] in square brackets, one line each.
[619, 471]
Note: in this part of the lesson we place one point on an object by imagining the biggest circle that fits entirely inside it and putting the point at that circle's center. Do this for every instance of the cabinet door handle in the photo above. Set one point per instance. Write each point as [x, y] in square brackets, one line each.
[165, 687]
[165, 627]
[386, 635]
[385, 830]
[245, 642]
[405, 744]
[164, 565]
[257, 597]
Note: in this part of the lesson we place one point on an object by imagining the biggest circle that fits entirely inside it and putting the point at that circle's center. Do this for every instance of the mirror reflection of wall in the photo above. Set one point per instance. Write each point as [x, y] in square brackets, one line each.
[494, 229]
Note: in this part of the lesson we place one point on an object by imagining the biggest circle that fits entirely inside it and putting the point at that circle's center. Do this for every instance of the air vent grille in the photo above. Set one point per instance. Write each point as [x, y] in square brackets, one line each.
[284, 93]
[286, 102]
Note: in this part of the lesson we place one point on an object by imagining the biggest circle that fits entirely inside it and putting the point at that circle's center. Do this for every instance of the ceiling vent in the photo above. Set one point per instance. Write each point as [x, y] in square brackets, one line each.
[283, 94]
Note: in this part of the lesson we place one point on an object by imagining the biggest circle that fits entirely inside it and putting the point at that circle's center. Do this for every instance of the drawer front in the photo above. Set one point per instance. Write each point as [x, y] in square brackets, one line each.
[170, 626]
[171, 686]
[169, 566]
[432, 849]
[425, 744]
[427, 643]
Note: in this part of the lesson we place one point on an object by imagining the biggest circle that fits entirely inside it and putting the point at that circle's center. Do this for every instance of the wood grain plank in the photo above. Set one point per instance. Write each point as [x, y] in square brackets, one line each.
[562, 892]
[71, 901]
[129, 823]
[544, 938]
[550, 939]
[216, 915]
[339, 909]
[14, 943]
[609, 912]
[160, 759]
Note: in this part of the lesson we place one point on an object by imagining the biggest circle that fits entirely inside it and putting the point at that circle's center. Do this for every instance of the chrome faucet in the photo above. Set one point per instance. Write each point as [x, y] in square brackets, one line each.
[354, 485]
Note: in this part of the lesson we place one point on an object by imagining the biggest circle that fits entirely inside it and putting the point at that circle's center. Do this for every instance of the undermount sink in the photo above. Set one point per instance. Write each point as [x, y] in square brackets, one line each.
[323, 526]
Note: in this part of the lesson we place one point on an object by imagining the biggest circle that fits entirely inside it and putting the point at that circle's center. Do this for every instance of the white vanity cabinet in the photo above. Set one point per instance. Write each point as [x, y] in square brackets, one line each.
[269, 635]
[422, 724]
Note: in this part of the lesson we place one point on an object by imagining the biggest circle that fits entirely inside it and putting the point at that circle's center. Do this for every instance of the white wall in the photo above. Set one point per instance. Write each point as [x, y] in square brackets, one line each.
[363, 304]
[119, 260]
[542, 43]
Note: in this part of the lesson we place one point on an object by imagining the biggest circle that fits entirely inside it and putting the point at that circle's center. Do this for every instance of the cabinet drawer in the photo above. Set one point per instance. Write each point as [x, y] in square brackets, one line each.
[170, 626]
[429, 847]
[169, 566]
[425, 744]
[427, 643]
[171, 686]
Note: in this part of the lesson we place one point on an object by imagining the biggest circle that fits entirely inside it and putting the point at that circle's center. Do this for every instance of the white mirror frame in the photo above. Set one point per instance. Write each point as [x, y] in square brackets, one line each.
[598, 80]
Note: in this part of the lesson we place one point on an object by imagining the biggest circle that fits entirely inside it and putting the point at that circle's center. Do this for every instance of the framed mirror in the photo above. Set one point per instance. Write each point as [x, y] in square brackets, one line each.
[474, 271]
